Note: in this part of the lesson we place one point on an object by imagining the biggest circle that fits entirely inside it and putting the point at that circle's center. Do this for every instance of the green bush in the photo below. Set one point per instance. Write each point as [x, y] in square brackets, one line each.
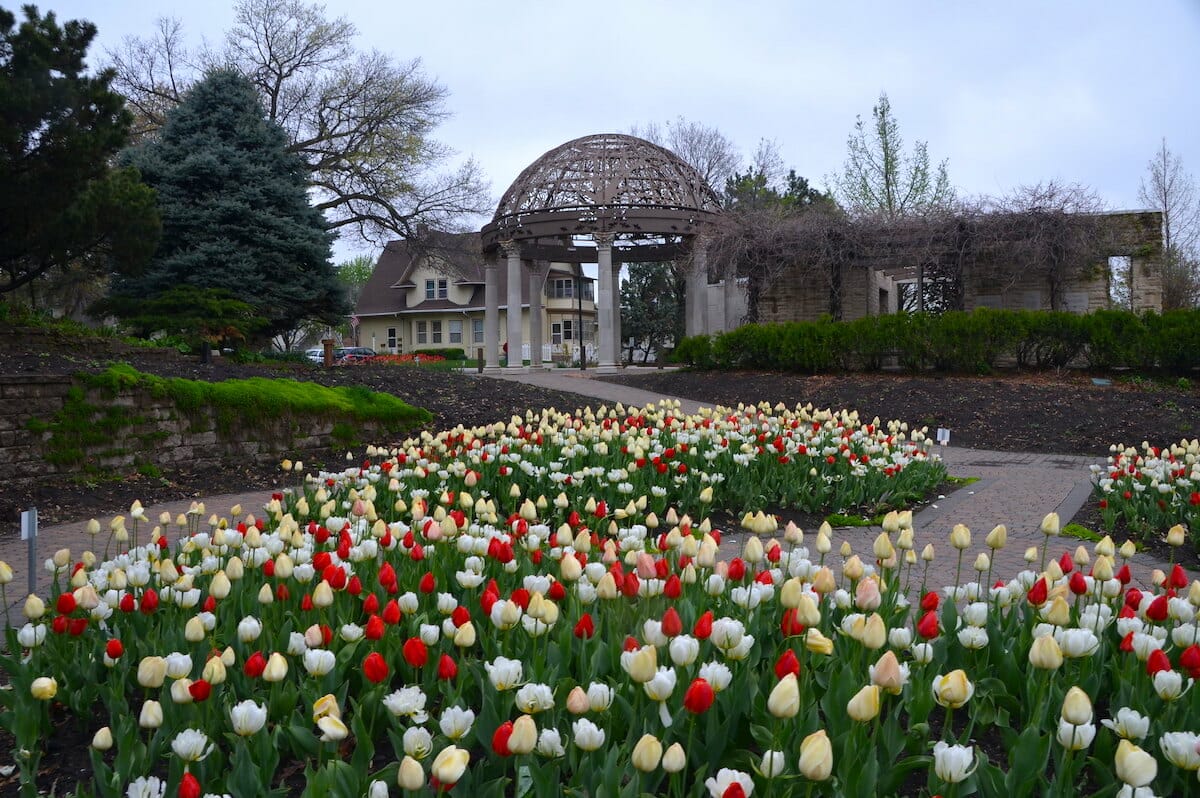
[452, 353]
[957, 342]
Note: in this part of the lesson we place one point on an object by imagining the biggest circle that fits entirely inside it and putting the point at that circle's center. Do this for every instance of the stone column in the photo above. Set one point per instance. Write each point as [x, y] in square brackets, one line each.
[512, 250]
[537, 284]
[617, 337]
[491, 315]
[604, 299]
[732, 314]
[697, 294]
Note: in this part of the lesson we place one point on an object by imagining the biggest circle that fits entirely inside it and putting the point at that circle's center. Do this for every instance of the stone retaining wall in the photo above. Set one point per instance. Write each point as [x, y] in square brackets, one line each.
[141, 430]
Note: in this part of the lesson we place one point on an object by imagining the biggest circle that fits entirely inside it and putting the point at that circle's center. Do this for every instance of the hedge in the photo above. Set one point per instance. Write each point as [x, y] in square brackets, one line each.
[958, 342]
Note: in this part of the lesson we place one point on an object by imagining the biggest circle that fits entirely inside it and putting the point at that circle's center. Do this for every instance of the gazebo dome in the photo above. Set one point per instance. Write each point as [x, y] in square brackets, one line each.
[603, 183]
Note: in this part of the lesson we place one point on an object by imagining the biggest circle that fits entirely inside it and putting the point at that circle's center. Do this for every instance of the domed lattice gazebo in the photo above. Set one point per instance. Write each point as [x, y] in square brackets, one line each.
[606, 199]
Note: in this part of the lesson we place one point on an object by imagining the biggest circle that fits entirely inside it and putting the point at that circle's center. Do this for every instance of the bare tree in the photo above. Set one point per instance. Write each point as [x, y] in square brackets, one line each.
[879, 179]
[1053, 231]
[704, 148]
[1168, 189]
[362, 121]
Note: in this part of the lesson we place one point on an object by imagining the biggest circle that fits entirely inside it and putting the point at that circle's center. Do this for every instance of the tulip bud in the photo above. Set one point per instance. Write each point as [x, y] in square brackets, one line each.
[1134, 766]
[1103, 569]
[824, 582]
[1050, 525]
[1175, 535]
[816, 756]
[864, 706]
[322, 594]
[853, 569]
[44, 688]
[411, 775]
[1077, 707]
[646, 754]
[807, 612]
[784, 700]
[997, 538]
[1031, 554]
[1045, 653]
[577, 701]
[151, 716]
[927, 553]
[524, 735]
[874, 633]
[34, 608]
[1106, 548]
[102, 740]
[674, 759]
[1059, 612]
[194, 631]
[277, 668]
[151, 672]
[450, 764]
[982, 562]
[1128, 549]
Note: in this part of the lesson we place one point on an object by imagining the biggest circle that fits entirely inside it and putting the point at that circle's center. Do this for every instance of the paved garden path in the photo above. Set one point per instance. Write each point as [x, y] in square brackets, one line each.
[1016, 490]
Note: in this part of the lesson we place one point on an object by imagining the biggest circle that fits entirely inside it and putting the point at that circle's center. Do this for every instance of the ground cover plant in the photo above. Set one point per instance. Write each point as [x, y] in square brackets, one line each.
[538, 607]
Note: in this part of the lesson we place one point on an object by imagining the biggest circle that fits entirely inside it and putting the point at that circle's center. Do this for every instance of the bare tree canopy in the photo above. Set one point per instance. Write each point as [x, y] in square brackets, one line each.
[362, 121]
[879, 179]
[1168, 189]
[704, 148]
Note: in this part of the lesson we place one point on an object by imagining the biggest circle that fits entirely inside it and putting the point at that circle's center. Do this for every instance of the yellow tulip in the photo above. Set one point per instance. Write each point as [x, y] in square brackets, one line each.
[1046, 654]
[864, 706]
[1134, 766]
[646, 754]
[450, 764]
[953, 690]
[784, 700]
[816, 756]
[1077, 707]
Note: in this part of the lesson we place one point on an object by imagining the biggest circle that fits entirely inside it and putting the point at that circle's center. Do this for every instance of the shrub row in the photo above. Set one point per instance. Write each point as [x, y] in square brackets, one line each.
[970, 342]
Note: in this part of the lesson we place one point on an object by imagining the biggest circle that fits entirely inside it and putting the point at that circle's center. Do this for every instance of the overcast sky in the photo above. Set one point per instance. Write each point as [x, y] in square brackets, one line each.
[1009, 92]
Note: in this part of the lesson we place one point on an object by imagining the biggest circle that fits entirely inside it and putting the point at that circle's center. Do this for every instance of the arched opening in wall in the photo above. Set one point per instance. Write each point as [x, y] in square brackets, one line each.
[1120, 282]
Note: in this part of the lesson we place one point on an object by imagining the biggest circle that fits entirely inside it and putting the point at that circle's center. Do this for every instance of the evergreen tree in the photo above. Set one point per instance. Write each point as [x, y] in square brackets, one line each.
[651, 298]
[61, 206]
[235, 210]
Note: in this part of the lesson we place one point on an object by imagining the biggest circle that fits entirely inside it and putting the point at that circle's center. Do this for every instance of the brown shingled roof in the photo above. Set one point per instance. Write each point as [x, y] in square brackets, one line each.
[385, 291]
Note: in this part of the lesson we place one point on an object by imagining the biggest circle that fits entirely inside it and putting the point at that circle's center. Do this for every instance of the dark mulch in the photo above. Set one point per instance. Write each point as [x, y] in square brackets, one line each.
[1060, 413]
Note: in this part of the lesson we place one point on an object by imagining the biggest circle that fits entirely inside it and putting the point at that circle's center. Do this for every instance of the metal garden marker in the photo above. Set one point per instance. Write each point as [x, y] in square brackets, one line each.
[29, 532]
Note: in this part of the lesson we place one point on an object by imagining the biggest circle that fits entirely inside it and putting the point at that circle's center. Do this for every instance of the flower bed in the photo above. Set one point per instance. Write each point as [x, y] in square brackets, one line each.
[1151, 489]
[508, 611]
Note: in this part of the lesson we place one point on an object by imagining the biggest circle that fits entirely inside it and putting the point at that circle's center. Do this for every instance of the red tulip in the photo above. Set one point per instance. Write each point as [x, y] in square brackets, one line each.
[1127, 642]
[460, 616]
[77, 626]
[59, 625]
[66, 603]
[200, 690]
[673, 588]
[149, 601]
[1066, 563]
[930, 601]
[790, 625]
[787, 663]
[1178, 578]
[447, 668]
[699, 696]
[1133, 598]
[500, 738]
[1157, 662]
[927, 627]
[269, 568]
[737, 570]
[114, 648]
[375, 668]
[630, 643]
[305, 603]
[1158, 609]
[1123, 575]
[428, 584]
[354, 586]
[415, 652]
[374, 629]
[254, 666]
[703, 626]
[557, 592]
[210, 604]
[672, 624]
[1037, 594]
[189, 787]
[1078, 583]
[520, 597]
[129, 604]
[630, 584]
[585, 628]
[371, 604]
[734, 790]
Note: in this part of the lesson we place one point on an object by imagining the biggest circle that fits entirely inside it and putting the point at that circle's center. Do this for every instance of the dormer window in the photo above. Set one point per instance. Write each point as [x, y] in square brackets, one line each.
[437, 289]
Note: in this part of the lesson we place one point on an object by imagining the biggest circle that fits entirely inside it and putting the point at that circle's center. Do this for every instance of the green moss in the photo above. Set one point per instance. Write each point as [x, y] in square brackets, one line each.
[962, 481]
[1081, 532]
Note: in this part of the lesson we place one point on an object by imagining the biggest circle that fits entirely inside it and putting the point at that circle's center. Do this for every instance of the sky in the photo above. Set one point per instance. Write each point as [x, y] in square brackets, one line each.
[1009, 93]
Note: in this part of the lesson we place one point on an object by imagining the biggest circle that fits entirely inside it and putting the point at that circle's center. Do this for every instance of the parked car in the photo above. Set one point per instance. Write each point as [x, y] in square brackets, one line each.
[315, 355]
[352, 354]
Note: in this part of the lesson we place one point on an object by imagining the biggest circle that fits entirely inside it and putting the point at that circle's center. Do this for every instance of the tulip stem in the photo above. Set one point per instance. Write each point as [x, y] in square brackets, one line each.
[958, 571]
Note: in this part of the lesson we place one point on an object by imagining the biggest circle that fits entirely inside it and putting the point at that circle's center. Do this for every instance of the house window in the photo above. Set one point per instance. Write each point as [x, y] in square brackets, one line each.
[556, 332]
[437, 289]
[562, 288]
[391, 337]
[456, 332]
[422, 333]
[437, 331]
[477, 330]
[588, 329]
[586, 290]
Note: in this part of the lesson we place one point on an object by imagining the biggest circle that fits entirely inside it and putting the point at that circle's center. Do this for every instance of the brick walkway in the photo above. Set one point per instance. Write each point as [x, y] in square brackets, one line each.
[1014, 489]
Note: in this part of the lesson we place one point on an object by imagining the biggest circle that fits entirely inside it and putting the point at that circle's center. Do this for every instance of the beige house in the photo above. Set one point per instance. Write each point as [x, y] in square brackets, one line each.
[431, 296]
